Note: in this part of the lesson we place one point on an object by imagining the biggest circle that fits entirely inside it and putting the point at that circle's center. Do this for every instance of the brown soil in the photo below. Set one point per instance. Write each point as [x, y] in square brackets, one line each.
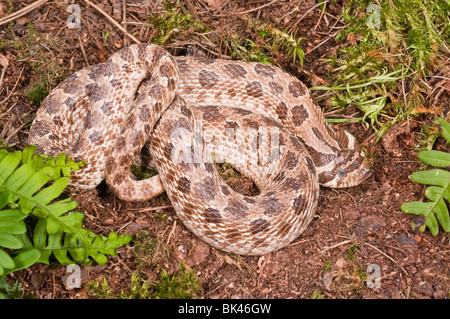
[353, 228]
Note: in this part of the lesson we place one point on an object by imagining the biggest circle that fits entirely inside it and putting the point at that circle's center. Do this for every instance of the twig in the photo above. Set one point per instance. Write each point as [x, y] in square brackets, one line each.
[83, 51]
[255, 9]
[336, 245]
[305, 14]
[151, 209]
[172, 231]
[114, 22]
[22, 12]
[321, 15]
[124, 19]
[387, 256]
[15, 85]
[321, 43]
[4, 62]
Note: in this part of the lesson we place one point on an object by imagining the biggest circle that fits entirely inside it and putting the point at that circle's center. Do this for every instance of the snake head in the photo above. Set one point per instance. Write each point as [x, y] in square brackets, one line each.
[349, 167]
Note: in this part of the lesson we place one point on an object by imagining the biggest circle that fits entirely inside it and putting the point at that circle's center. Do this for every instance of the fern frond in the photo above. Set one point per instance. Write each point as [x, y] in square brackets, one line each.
[436, 210]
[30, 185]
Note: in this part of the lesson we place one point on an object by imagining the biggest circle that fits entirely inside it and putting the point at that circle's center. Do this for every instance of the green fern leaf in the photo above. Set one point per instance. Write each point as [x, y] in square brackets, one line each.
[436, 211]
[435, 158]
[24, 260]
[30, 185]
[9, 164]
[436, 177]
[5, 260]
[445, 129]
[10, 241]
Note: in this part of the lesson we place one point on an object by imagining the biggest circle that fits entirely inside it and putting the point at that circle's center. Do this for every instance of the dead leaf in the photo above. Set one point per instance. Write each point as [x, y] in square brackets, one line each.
[4, 62]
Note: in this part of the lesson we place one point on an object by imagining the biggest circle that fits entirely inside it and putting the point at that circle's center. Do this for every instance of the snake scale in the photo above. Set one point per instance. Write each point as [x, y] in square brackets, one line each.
[187, 113]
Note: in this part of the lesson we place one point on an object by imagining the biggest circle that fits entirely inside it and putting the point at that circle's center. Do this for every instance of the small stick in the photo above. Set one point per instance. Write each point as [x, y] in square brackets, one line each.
[387, 256]
[15, 85]
[305, 14]
[336, 245]
[171, 232]
[22, 12]
[151, 209]
[124, 19]
[254, 9]
[114, 22]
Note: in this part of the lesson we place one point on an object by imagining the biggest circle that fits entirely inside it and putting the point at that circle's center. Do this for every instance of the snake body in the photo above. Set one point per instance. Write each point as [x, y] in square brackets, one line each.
[182, 111]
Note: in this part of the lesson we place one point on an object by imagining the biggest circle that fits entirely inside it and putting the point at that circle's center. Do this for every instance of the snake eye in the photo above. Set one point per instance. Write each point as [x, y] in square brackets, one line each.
[342, 172]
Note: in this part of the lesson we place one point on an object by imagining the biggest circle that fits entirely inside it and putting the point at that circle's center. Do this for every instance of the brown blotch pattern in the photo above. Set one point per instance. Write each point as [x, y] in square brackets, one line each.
[204, 60]
[58, 121]
[40, 128]
[51, 104]
[273, 207]
[236, 209]
[254, 89]
[212, 113]
[281, 110]
[167, 150]
[126, 54]
[296, 89]
[212, 215]
[299, 114]
[184, 185]
[71, 85]
[207, 79]
[326, 177]
[299, 204]
[225, 190]
[71, 104]
[96, 137]
[258, 225]
[235, 70]
[320, 159]
[276, 88]
[321, 138]
[291, 160]
[295, 183]
[205, 190]
[265, 70]
[182, 65]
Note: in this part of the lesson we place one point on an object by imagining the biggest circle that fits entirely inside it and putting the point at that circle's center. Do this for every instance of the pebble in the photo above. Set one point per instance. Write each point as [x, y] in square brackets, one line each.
[199, 253]
[405, 240]
[424, 288]
[372, 222]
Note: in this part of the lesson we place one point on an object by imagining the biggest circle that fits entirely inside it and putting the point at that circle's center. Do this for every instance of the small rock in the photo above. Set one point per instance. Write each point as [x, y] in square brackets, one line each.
[439, 294]
[372, 222]
[289, 295]
[424, 288]
[37, 280]
[327, 280]
[133, 228]
[351, 215]
[341, 263]
[405, 240]
[199, 253]
[396, 293]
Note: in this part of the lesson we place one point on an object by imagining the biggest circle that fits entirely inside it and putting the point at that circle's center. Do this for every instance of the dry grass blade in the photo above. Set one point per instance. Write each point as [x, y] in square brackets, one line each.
[114, 22]
[22, 12]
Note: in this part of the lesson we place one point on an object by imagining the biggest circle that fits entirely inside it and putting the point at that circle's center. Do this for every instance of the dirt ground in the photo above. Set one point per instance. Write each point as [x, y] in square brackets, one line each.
[353, 228]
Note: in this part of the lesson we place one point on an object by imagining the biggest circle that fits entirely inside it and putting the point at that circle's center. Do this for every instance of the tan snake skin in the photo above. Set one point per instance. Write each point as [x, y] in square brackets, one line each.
[260, 119]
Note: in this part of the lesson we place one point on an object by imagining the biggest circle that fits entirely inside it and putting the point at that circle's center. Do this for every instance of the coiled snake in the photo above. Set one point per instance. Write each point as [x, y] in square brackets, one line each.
[187, 112]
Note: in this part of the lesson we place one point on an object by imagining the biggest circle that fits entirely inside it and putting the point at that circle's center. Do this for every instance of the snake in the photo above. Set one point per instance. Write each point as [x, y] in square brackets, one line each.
[186, 113]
